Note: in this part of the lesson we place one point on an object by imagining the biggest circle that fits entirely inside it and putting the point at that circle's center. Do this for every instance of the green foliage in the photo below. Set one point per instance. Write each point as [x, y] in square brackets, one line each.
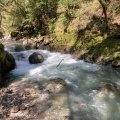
[43, 13]
[69, 3]
[18, 13]
[40, 14]
[37, 13]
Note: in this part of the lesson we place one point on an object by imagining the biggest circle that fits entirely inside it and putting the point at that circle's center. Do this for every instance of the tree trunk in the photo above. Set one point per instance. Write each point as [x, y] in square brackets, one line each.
[104, 7]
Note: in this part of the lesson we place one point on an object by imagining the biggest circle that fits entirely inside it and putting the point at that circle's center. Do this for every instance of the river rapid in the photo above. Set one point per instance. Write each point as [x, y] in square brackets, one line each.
[81, 101]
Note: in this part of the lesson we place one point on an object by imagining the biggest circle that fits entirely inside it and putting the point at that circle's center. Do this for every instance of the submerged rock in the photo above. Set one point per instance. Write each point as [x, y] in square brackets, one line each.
[55, 85]
[36, 58]
[21, 56]
[16, 35]
[19, 48]
[108, 90]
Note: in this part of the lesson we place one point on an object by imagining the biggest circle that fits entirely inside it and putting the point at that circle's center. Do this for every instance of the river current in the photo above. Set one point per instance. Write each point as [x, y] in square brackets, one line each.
[82, 102]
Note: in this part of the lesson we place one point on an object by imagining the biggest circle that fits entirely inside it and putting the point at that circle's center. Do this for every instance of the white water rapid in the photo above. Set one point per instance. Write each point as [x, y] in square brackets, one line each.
[82, 101]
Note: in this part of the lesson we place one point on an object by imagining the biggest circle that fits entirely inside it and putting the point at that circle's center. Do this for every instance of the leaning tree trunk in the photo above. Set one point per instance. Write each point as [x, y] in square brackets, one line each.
[104, 7]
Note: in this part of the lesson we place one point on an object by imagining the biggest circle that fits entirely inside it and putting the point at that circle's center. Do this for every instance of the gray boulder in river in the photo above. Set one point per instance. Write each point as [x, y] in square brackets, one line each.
[7, 62]
[19, 48]
[36, 58]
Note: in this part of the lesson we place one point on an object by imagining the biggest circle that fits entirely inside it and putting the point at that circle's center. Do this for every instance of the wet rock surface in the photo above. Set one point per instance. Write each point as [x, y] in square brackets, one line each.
[36, 58]
[19, 48]
[7, 62]
[109, 86]
[108, 90]
[116, 63]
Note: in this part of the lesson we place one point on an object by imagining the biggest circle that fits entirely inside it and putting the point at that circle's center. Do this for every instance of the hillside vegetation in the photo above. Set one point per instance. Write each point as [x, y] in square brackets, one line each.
[88, 29]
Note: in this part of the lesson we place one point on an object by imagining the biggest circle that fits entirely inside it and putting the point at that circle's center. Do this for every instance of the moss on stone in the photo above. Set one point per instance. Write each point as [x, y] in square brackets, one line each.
[1, 47]
[7, 63]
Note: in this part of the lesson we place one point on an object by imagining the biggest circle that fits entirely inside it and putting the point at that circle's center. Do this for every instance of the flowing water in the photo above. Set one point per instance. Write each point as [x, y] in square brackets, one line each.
[82, 101]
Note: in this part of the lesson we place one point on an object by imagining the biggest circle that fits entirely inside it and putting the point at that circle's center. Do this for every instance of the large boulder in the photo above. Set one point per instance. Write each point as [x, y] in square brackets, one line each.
[16, 35]
[1, 48]
[116, 63]
[21, 56]
[19, 48]
[7, 62]
[1, 51]
[30, 46]
[36, 58]
[109, 86]
[1, 35]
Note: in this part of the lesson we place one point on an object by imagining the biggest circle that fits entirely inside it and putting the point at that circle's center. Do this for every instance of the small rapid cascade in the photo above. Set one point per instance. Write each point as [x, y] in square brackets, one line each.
[82, 101]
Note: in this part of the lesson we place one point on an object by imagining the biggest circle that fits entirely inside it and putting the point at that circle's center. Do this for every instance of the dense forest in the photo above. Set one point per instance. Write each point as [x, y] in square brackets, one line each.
[87, 28]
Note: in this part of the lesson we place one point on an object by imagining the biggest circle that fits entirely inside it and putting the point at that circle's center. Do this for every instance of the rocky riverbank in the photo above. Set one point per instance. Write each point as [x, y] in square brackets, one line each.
[25, 100]
[95, 54]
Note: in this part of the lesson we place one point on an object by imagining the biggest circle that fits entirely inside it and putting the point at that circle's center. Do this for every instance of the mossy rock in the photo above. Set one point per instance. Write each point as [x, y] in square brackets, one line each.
[7, 63]
[1, 47]
[110, 87]
[19, 48]
[116, 63]
[14, 34]
[1, 35]
[1, 52]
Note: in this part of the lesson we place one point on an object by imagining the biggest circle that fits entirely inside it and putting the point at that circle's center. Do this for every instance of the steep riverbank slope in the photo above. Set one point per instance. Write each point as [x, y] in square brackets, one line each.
[85, 34]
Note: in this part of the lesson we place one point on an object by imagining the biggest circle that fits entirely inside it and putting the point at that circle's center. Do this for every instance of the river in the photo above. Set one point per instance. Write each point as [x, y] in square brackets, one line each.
[82, 101]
